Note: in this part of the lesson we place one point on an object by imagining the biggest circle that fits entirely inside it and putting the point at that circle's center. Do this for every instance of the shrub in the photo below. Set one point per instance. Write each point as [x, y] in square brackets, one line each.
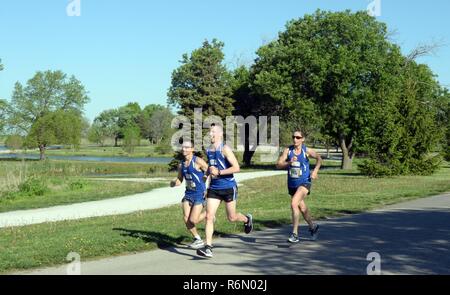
[34, 187]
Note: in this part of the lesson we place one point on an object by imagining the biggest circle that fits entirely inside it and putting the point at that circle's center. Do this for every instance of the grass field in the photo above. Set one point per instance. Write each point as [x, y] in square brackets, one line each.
[107, 151]
[334, 193]
[37, 184]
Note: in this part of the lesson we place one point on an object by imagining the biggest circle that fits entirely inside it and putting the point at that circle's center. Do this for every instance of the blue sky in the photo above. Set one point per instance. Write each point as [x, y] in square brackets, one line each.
[125, 51]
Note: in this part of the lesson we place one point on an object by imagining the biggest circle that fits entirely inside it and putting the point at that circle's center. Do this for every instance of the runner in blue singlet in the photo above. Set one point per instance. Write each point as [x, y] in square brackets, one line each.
[222, 164]
[192, 169]
[296, 160]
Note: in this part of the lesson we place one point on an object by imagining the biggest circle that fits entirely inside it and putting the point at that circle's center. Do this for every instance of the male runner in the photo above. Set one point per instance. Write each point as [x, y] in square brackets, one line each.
[192, 169]
[222, 164]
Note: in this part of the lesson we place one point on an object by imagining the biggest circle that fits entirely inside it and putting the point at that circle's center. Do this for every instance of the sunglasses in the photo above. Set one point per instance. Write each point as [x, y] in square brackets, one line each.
[297, 137]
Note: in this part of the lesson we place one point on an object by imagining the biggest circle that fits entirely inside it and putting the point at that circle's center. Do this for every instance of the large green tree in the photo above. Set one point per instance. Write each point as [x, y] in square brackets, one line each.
[327, 68]
[46, 94]
[160, 123]
[55, 127]
[145, 123]
[202, 81]
[106, 124]
[408, 127]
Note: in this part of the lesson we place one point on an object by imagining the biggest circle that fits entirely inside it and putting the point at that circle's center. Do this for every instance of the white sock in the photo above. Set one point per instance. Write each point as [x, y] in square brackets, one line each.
[197, 237]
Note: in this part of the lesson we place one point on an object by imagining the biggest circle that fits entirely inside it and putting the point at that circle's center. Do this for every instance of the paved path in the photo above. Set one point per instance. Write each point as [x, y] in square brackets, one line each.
[156, 198]
[411, 238]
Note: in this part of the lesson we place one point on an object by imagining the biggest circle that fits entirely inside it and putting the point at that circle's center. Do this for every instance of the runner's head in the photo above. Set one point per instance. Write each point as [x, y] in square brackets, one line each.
[298, 138]
[187, 148]
[216, 133]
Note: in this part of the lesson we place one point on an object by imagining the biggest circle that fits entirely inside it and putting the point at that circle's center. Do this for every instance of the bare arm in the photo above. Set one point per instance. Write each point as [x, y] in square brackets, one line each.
[228, 153]
[202, 165]
[281, 163]
[313, 154]
[177, 181]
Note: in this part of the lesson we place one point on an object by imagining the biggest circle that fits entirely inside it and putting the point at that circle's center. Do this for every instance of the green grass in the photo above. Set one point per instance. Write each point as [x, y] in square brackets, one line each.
[36, 184]
[64, 190]
[81, 168]
[333, 194]
[107, 151]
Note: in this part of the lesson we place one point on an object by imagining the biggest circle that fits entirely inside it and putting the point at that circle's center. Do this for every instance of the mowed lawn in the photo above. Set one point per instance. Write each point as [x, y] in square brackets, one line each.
[334, 193]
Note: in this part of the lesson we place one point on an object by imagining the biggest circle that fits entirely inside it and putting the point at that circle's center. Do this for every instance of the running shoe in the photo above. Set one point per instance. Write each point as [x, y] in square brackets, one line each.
[197, 244]
[293, 238]
[248, 226]
[205, 251]
[314, 232]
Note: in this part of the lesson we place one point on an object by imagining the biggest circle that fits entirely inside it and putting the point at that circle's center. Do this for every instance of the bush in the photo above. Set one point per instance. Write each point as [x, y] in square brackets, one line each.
[34, 187]
[425, 166]
[77, 185]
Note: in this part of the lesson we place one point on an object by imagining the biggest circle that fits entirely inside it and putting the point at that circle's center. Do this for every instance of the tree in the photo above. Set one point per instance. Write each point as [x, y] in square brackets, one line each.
[202, 81]
[3, 107]
[97, 134]
[248, 103]
[107, 121]
[144, 121]
[14, 142]
[47, 94]
[85, 126]
[57, 127]
[128, 116]
[160, 123]
[328, 65]
[132, 137]
[400, 141]
[3, 114]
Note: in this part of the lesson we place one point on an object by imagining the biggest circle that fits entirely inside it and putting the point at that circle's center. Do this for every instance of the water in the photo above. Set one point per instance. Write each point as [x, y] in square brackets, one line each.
[2, 148]
[87, 158]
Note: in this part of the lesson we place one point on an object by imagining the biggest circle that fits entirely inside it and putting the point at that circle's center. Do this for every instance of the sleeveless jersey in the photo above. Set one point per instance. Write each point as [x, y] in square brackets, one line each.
[298, 171]
[195, 186]
[218, 160]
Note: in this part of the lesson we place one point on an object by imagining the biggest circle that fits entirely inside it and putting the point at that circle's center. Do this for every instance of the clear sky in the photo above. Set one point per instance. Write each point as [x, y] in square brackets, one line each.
[125, 51]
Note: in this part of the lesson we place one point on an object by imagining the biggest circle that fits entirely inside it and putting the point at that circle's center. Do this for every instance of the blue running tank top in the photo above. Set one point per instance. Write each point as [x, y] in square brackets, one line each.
[217, 159]
[298, 171]
[195, 186]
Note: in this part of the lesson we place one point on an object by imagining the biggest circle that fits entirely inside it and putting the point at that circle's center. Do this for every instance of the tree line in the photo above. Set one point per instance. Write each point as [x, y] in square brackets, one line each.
[334, 75]
[337, 77]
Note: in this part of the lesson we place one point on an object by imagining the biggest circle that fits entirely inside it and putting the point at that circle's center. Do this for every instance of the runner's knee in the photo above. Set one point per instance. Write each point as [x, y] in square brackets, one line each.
[209, 217]
[294, 206]
[193, 220]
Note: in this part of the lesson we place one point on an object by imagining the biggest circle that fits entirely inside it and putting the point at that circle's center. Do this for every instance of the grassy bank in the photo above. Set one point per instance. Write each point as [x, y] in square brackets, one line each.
[36, 184]
[63, 191]
[334, 194]
[107, 151]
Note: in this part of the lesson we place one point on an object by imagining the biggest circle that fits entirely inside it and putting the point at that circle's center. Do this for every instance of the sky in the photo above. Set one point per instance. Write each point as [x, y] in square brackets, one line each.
[124, 51]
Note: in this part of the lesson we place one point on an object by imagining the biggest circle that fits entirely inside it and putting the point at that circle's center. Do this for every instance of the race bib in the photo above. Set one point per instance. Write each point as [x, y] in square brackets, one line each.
[190, 184]
[212, 162]
[295, 171]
